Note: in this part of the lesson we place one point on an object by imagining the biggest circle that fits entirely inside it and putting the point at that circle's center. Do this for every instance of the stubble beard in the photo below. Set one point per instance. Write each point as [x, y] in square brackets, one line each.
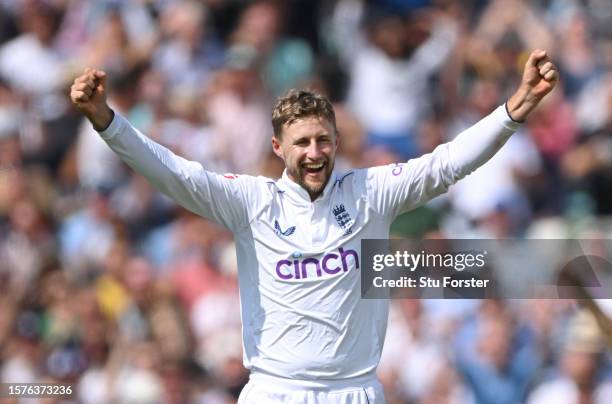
[313, 190]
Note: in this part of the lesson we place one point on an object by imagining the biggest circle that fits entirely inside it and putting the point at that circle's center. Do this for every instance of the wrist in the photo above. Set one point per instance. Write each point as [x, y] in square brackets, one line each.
[510, 115]
[520, 105]
[102, 120]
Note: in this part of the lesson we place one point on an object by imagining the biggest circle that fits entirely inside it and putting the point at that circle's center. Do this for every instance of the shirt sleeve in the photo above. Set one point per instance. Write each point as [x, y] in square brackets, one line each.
[222, 198]
[400, 187]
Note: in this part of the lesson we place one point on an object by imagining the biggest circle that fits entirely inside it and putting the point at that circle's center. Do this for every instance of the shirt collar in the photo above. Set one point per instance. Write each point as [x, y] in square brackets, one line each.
[296, 190]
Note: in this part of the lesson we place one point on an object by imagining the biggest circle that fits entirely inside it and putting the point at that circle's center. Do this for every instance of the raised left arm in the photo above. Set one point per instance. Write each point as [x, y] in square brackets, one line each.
[398, 188]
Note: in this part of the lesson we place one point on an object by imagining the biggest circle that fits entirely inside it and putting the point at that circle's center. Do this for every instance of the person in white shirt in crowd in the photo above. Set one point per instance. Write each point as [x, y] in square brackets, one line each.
[390, 89]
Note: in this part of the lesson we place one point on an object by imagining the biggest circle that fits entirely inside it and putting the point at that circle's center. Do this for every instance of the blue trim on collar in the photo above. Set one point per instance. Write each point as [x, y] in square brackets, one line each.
[340, 180]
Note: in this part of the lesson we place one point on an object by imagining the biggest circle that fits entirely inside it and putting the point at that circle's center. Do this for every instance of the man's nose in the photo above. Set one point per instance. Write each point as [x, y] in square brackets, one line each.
[314, 150]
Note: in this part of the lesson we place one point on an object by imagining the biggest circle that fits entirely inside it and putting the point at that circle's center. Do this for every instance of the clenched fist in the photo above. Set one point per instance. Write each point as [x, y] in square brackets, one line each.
[540, 74]
[539, 78]
[88, 94]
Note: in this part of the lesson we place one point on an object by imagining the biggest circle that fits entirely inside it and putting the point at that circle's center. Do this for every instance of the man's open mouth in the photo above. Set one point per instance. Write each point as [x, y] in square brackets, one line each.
[313, 168]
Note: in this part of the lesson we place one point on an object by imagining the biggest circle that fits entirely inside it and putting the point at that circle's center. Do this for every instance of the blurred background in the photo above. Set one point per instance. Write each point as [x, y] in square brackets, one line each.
[107, 284]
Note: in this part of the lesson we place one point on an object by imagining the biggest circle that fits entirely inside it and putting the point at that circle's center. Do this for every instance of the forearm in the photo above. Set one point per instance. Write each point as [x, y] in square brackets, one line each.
[477, 144]
[203, 192]
[430, 175]
[168, 172]
[521, 104]
[431, 54]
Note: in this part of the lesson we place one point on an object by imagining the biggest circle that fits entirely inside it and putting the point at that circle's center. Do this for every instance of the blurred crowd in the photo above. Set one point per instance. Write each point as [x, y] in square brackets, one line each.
[110, 286]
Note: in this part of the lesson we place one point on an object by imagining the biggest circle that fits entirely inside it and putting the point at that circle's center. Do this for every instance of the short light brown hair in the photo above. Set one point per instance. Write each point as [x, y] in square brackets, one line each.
[297, 104]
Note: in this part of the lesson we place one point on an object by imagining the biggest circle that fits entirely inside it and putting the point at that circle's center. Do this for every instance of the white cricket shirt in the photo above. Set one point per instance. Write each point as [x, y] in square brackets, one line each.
[299, 261]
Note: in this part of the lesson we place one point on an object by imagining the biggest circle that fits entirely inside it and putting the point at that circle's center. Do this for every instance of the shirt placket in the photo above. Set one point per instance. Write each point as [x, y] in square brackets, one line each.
[317, 219]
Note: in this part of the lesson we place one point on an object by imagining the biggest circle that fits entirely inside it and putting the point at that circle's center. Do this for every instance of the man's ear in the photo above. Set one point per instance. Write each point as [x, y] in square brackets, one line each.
[276, 147]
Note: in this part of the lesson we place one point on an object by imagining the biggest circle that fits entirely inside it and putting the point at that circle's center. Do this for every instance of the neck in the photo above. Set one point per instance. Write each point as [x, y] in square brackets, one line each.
[314, 195]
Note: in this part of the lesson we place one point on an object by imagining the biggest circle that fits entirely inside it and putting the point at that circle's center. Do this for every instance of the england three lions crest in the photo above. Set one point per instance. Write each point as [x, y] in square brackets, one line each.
[343, 218]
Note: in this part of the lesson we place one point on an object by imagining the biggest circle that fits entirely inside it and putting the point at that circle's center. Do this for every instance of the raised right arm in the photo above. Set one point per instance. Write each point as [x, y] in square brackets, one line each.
[224, 199]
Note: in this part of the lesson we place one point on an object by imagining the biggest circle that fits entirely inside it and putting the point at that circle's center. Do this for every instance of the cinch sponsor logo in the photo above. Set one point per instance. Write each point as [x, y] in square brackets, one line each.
[330, 264]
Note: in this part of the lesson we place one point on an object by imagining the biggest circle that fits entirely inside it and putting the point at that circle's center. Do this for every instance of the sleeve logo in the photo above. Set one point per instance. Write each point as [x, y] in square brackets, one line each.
[397, 169]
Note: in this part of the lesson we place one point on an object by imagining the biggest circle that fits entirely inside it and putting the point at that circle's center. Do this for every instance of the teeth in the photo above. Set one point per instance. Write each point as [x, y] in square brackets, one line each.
[314, 166]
